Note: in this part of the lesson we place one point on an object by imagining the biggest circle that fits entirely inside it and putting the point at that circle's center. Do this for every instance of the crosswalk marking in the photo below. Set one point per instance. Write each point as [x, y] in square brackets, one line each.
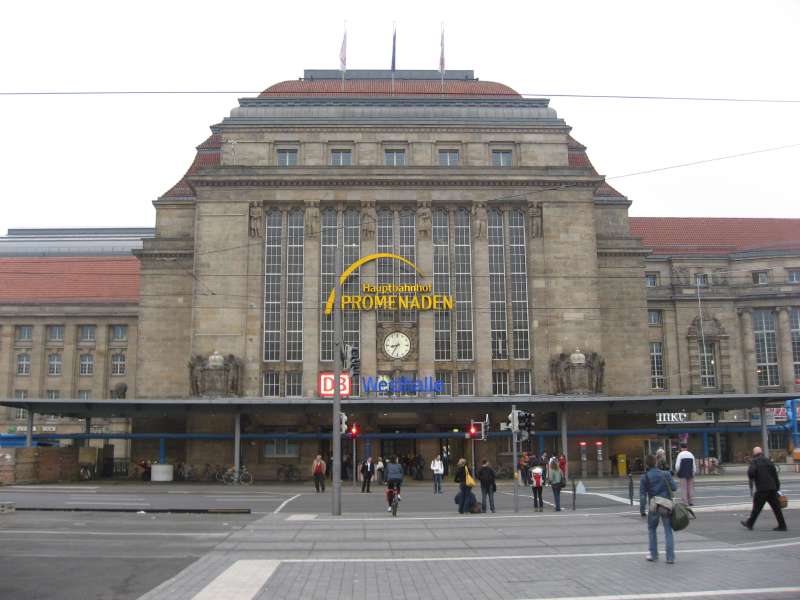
[240, 581]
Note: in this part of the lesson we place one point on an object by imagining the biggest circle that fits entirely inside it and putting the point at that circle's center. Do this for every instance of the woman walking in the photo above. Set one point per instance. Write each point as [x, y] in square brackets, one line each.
[556, 483]
[465, 481]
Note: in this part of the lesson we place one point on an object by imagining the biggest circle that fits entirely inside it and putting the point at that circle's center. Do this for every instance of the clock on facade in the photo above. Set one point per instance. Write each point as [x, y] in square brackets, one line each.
[397, 344]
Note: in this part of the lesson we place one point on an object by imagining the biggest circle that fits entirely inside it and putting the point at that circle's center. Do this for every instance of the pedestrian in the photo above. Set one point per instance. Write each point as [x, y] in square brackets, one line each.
[556, 482]
[614, 465]
[661, 460]
[446, 460]
[394, 481]
[686, 468]
[463, 475]
[437, 466]
[562, 464]
[522, 466]
[367, 473]
[655, 492]
[537, 484]
[379, 466]
[486, 476]
[318, 470]
[764, 476]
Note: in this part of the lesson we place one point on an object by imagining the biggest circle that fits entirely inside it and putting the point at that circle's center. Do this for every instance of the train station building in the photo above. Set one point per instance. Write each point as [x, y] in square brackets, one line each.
[485, 263]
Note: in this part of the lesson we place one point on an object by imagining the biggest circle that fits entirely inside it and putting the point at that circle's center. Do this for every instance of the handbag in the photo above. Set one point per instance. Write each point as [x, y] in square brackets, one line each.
[680, 514]
[783, 500]
[468, 479]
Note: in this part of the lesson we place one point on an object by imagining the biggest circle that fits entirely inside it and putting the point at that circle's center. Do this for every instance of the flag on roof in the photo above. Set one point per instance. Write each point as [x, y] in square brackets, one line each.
[343, 53]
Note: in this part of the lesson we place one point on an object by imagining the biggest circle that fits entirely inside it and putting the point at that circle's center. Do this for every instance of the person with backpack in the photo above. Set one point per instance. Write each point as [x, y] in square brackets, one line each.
[537, 483]
[486, 476]
[463, 477]
[686, 468]
[764, 476]
[556, 482]
[655, 493]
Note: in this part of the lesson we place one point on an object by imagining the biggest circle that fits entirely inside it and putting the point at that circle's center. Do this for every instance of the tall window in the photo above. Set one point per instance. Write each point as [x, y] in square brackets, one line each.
[657, 379]
[341, 158]
[23, 364]
[497, 286]
[708, 370]
[501, 158]
[701, 279]
[328, 271]
[272, 287]
[651, 279]
[760, 277]
[294, 383]
[118, 363]
[53, 394]
[654, 317]
[441, 282]
[403, 243]
[794, 320]
[448, 158]
[84, 394]
[272, 384]
[519, 284]
[466, 383]
[351, 252]
[287, 157]
[500, 383]
[446, 377]
[54, 364]
[23, 333]
[87, 333]
[408, 250]
[394, 158]
[462, 280]
[119, 333]
[55, 333]
[522, 382]
[794, 276]
[766, 348]
[385, 266]
[20, 413]
[86, 364]
[294, 286]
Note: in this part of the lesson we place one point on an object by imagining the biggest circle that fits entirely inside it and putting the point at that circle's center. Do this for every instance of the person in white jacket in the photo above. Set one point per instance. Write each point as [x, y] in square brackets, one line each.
[685, 469]
[437, 466]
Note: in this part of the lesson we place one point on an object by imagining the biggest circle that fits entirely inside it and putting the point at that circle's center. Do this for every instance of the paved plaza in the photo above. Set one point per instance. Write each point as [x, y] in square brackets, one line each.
[290, 546]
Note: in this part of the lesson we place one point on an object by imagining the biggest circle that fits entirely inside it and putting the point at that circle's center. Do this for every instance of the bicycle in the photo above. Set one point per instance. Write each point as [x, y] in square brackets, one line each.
[215, 474]
[86, 472]
[242, 476]
[393, 496]
[288, 473]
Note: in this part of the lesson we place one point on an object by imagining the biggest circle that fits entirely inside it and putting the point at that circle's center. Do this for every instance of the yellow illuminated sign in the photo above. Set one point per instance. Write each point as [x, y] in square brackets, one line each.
[388, 296]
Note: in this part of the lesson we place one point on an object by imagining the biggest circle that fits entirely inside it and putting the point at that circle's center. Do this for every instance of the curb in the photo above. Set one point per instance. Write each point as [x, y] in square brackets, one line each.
[201, 511]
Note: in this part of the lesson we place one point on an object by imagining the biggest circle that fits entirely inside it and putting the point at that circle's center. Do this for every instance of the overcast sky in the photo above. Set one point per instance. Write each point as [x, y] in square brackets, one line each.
[92, 161]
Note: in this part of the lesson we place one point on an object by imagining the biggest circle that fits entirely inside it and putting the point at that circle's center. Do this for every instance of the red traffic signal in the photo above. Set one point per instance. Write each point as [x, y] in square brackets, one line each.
[354, 431]
[473, 431]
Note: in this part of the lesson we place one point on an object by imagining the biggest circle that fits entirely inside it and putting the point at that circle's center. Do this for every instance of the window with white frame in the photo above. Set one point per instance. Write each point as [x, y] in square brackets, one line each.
[53, 394]
[87, 333]
[497, 285]
[440, 229]
[794, 324]
[54, 364]
[701, 279]
[86, 364]
[396, 232]
[351, 252]
[84, 395]
[23, 364]
[466, 383]
[341, 158]
[20, 394]
[294, 285]
[118, 363]
[654, 317]
[766, 348]
[407, 248]
[385, 267]
[328, 271]
[23, 333]
[760, 277]
[500, 383]
[708, 368]
[519, 284]
[651, 280]
[657, 378]
[522, 382]
[294, 384]
[462, 283]
[794, 276]
[448, 158]
[272, 384]
[272, 286]
[119, 333]
[20, 413]
[446, 377]
[501, 158]
[394, 158]
[281, 448]
[55, 333]
[287, 157]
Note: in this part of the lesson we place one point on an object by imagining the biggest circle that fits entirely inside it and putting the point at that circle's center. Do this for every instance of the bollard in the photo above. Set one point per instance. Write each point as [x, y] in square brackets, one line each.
[574, 495]
[630, 488]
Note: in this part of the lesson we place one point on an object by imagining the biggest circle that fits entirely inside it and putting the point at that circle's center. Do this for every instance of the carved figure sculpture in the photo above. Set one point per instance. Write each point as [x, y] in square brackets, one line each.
[196, 365]
[367, 227]
[535, 218]
[479, 222]
[424, 223]
[256, 219]
[312, 220]
[121, 391]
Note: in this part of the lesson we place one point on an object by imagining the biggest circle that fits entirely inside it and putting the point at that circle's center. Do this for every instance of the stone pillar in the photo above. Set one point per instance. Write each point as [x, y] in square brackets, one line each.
[29, 431]
[311, 299]
[764, 430]
[425, 365]
[481, 326]
[369, 318]
[785, 349]
[748, 350]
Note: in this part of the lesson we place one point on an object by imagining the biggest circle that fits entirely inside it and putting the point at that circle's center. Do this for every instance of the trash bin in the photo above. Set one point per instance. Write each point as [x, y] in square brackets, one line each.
[622, 465]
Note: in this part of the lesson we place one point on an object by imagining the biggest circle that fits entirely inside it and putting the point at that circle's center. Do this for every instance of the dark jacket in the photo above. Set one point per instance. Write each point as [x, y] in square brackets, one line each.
[461, 474]
[486, 477]
[764, 474]
[394, 472]
[367, 469]
[654, 483]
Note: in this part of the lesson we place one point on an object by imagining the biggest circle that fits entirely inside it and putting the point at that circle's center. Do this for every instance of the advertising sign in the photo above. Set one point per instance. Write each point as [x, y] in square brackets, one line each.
[325, 385]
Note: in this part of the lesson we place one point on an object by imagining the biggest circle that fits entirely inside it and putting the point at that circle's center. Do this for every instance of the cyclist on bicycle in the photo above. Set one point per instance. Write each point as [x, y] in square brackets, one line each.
[394, 479]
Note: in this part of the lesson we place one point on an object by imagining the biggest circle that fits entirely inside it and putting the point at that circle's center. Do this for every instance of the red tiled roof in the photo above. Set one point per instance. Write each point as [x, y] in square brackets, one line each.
[208, 155]
[383, 87]
[687, 235]
[69, 279]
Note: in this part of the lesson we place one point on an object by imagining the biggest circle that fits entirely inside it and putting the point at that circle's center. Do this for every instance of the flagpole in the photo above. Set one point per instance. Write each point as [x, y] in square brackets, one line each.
[343, 55]
[441, 60]
[394, 50]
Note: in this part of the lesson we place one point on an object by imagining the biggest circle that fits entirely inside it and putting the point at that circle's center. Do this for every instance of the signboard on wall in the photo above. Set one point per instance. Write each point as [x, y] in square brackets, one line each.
[665, 418]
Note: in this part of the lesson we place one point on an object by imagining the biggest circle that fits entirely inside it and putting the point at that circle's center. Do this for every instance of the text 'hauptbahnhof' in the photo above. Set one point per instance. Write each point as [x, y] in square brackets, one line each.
[482, 258]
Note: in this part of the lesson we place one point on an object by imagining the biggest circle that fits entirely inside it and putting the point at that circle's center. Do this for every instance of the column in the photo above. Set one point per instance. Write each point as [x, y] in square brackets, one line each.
[564, 443]
[764, 430]
[29, 431]
[748, 350]
[369, 318]
[785, 349]
[237, 440]
[425, 366]
[311, 299]
[481, 325]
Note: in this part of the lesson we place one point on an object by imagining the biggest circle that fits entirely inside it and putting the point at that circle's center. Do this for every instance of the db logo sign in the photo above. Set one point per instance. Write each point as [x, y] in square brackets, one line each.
[325, 385]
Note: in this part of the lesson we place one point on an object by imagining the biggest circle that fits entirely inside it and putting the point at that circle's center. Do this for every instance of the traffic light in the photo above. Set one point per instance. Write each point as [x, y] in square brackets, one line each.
[513, 420]
[355, 362]
[526, 421]
[472, 431]
[347, 349]
[342, 423]
[354, 431]
[476, 430]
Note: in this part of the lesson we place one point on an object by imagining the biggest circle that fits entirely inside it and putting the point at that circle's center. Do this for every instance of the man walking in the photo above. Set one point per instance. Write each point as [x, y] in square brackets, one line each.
[367, 472]
[685, 468]
[655, 491]
[438, 472]
[488, 486]
[764, 476]
[318, 469]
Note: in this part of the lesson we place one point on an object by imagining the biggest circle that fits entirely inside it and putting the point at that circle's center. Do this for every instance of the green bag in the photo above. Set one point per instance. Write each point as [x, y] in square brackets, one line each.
[681, 515]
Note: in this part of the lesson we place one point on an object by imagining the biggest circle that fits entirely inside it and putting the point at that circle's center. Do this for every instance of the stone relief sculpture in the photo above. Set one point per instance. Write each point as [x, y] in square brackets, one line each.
[424, 222]
[121, 391]
[256, 219]
[367, 227]
[577, 373]
[215, 376]
[312, 220]
[535, 220]
[712, 328]
[680, 275]
[479, 221]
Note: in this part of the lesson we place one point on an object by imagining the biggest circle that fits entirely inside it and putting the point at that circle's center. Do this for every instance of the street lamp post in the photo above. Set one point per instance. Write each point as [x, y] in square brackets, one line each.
[336, 436]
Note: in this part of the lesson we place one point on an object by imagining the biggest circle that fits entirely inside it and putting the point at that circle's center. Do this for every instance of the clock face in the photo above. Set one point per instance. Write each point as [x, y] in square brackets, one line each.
[397, 344]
